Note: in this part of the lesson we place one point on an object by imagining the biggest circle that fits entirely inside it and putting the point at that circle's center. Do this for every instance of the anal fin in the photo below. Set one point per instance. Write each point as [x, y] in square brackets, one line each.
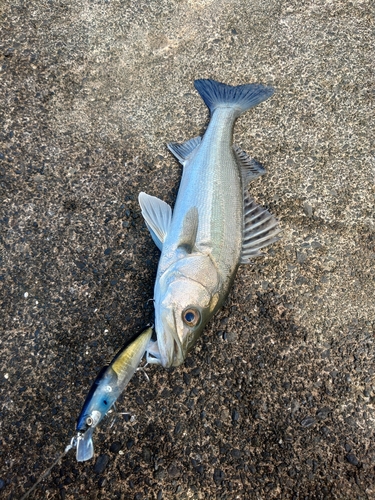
[250, 168]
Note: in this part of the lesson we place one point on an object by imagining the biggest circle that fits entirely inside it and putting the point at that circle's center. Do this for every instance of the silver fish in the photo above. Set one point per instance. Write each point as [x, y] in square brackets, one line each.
[215, 226]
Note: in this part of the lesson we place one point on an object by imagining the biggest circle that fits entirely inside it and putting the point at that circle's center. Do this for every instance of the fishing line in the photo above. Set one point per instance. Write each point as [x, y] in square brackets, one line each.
[48, 471]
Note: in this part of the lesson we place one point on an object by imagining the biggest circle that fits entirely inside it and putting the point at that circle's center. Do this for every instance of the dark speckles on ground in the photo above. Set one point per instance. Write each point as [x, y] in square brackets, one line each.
[277, 399]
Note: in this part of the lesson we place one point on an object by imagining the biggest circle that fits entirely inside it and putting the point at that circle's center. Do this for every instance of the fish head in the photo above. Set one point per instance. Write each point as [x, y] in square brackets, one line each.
[102, 395]
[185, 299]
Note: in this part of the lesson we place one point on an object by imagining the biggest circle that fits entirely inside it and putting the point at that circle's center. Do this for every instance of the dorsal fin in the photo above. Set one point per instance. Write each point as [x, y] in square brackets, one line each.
[260, 229]
[250, 168]
[188, 235]
[183, 150]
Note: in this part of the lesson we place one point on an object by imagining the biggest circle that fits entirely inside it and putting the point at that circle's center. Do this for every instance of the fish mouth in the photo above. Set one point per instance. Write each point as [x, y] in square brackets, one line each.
[176, 342]
[169, 343]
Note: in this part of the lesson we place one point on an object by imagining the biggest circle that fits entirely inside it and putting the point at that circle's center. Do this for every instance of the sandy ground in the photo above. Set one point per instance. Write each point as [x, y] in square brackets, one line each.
[277, 399]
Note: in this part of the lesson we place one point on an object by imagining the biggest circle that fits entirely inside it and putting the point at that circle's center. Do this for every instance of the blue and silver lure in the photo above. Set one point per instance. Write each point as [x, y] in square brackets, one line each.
[105, 390]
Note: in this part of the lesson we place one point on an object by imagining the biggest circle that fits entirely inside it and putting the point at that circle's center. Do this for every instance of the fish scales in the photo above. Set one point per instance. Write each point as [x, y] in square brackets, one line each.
[215, 225]
[219, 203]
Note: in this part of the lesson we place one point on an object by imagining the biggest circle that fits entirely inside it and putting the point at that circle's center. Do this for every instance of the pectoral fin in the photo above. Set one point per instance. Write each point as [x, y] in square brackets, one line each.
[260, 229]
[188, 235]
[157, 215]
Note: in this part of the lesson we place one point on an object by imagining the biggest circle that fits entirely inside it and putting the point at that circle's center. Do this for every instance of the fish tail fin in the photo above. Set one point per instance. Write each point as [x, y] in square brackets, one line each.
[240, 97]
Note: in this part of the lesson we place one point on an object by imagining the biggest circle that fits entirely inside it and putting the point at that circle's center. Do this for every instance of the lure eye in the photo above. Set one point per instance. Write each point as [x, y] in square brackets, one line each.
[89, 421]
[191, 316]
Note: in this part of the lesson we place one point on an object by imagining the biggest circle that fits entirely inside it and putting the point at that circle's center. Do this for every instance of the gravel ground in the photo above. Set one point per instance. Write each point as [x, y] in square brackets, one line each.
[277, 399]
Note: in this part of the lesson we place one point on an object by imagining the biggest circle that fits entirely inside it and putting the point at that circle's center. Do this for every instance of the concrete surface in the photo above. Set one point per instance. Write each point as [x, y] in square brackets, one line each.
[277, 399]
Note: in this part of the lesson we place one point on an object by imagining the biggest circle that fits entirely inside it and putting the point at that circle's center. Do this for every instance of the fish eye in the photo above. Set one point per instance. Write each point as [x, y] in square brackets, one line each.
[191, 316]
[89, 421]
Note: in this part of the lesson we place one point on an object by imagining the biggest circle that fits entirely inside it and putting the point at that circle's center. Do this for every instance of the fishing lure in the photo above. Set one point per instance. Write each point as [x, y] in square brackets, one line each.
[104, 392]
[106, 389]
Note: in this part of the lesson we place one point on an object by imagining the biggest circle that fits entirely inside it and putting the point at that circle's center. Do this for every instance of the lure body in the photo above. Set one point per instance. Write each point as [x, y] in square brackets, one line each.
[106, 389]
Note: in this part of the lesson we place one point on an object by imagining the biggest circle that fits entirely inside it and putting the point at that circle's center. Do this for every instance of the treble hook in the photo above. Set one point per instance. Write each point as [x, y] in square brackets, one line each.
[142, 369]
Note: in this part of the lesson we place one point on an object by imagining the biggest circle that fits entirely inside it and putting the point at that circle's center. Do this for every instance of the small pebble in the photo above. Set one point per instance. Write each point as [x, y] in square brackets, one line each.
[130, 443]
[102, 482]
[352, 459]
[323, 413]
[146, 454]
[101, 464]
[115, 447]
[173, 471]
[308, 209]
[292, 473]
[301, 257]
[308, 422]
[235, 415]
[316, 244]
[200, 469]
[218, 475]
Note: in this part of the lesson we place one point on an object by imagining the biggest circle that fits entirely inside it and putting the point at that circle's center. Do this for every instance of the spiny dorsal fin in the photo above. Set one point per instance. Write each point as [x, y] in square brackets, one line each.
[250, 168]
[260, 229]
[157, 215]
[183, 150]
[188, 235]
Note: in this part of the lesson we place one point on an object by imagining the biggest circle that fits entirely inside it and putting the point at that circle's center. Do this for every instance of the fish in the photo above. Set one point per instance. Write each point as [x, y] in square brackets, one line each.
[215, 225]
[106, 389]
